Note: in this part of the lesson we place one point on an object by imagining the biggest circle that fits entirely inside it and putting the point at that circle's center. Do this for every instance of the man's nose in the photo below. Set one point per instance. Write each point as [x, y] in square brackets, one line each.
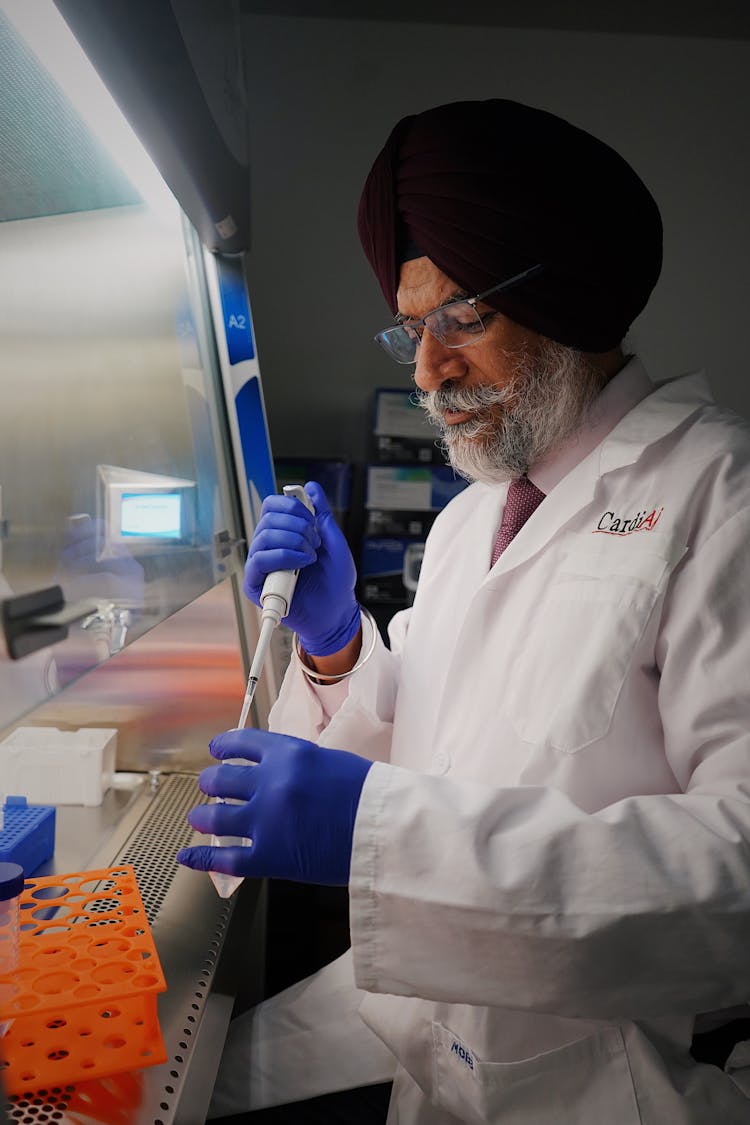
[436, 363]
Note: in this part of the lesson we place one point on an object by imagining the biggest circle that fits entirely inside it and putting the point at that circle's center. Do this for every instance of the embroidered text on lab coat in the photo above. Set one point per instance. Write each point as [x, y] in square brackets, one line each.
[463, 1054]
[611, 524]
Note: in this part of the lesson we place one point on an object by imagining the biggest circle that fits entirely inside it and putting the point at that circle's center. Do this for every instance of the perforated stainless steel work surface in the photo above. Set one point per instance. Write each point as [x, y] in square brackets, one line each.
[164, 830]
[190, 924]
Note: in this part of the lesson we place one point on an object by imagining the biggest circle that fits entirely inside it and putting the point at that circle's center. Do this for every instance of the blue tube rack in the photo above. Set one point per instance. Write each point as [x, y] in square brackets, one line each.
[28, 834]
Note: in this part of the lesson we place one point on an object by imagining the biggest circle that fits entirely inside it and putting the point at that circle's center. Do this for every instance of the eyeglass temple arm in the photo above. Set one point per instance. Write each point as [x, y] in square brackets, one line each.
[531, 272]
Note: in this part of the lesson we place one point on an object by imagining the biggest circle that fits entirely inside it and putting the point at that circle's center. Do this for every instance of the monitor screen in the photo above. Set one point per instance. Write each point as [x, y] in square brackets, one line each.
[143, 512]
[154, 515]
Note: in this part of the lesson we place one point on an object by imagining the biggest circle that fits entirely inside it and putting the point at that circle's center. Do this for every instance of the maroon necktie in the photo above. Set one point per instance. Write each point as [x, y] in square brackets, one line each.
[522, 501]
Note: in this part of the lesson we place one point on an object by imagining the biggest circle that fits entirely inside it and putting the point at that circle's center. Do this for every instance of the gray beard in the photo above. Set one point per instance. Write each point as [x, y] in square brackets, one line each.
[552, 395]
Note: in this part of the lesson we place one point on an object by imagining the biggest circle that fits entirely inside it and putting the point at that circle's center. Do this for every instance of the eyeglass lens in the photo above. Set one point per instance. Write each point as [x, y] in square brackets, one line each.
[453, 326]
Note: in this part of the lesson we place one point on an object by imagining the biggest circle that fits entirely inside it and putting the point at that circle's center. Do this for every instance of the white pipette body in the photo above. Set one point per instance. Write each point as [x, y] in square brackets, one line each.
[275, 600]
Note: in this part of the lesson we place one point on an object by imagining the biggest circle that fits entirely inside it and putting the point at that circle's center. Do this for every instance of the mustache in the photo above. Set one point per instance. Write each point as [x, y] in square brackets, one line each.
[469, 400]
[476, 401]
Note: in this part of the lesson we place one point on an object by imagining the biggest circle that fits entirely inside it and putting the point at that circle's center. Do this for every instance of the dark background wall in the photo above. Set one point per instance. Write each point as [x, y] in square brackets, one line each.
[323, 93]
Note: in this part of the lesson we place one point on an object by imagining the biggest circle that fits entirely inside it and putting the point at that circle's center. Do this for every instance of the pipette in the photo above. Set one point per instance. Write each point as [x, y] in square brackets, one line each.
[275, 600]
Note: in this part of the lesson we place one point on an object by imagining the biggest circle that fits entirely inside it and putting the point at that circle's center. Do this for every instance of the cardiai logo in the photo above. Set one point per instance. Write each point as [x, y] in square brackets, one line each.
[612, 524]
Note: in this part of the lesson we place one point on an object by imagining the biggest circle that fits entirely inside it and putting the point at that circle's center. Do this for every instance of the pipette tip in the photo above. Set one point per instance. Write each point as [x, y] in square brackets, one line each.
[252, 683]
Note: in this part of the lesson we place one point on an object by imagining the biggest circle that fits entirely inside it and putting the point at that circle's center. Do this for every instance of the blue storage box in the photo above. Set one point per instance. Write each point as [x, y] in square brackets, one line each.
[334, 477]
[28, 834]
[381, 570]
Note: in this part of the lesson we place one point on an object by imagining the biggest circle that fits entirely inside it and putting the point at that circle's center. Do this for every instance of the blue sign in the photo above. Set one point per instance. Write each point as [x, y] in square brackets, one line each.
[238, 326]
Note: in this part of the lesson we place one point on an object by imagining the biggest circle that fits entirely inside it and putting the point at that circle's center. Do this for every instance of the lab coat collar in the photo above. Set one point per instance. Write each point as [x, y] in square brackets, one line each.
[670, 404]
[656, 415]
[620, 395]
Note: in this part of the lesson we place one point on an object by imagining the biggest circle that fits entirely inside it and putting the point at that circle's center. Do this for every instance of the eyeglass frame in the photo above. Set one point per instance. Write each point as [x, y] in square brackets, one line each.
[472, 301]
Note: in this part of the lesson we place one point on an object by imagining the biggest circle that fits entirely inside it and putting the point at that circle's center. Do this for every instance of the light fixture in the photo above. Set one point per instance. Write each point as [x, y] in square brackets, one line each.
[49, 37]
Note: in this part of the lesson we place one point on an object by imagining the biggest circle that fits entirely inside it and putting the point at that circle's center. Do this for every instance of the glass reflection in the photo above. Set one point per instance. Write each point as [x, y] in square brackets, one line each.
[113, 474]
[108, 459]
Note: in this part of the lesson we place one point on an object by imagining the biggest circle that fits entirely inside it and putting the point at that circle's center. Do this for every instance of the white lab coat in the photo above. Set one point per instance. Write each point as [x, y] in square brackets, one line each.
[551, 878]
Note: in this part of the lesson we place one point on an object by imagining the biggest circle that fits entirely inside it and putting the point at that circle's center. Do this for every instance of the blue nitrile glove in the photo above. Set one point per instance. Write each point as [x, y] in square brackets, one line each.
[300, 805]
[324, 611]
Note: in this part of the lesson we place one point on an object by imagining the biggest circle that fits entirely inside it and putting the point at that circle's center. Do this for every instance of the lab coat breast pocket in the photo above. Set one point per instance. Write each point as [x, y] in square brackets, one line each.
[586, 1082]
[588, 623]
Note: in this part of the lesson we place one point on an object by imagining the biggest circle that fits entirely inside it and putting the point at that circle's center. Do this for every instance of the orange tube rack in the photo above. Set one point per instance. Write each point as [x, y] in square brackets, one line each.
[83, 999]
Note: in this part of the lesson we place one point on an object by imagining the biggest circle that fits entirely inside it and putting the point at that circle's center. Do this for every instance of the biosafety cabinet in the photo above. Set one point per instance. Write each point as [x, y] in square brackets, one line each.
[133, 459]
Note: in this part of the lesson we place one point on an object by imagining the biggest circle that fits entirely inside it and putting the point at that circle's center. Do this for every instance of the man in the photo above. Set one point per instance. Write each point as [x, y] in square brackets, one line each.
[549, 860]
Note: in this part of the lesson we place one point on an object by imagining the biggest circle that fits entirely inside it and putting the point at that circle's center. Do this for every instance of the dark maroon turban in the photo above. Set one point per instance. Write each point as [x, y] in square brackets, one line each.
[489, 189]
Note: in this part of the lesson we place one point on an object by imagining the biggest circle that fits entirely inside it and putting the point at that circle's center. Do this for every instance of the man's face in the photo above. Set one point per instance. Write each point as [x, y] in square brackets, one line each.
[490, 362]
[505, 400]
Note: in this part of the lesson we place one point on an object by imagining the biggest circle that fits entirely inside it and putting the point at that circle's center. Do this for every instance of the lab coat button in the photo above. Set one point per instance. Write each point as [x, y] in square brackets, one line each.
[440, 763]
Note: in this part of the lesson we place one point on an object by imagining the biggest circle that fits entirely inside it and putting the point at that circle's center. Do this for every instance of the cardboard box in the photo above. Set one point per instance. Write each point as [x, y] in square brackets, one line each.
[407, 488]
[385, 521]
[406, 451]
[397, 414]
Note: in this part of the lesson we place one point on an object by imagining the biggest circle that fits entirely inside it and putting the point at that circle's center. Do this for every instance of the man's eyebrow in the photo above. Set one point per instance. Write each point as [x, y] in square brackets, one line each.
[459, 295]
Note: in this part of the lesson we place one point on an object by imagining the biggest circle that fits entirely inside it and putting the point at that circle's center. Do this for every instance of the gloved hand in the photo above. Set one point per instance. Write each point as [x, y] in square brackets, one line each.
[300, 805]
[324, 611]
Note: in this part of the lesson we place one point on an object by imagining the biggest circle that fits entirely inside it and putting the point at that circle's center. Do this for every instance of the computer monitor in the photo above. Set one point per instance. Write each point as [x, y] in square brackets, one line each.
[142, 512]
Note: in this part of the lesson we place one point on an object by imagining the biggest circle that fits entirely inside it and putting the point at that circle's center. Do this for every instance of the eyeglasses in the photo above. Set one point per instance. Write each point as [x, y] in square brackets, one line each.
[454, 324]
